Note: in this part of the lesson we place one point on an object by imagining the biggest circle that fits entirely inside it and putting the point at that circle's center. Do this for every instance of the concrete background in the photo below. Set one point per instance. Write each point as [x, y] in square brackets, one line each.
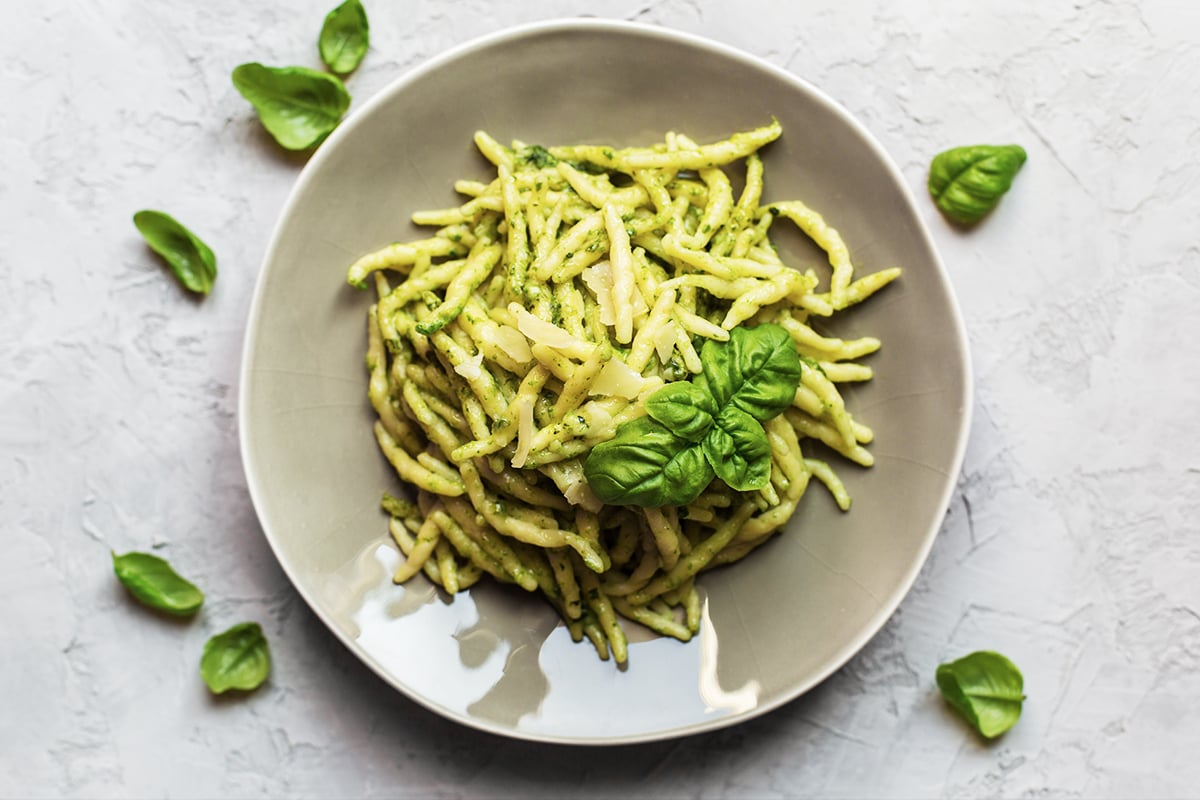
[1071, 543]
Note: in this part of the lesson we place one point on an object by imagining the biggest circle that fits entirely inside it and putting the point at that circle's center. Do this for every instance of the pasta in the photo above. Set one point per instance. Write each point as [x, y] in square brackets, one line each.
[536, 320]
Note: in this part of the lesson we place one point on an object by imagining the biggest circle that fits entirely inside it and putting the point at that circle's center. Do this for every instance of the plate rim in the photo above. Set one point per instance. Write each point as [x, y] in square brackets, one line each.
[593, 24]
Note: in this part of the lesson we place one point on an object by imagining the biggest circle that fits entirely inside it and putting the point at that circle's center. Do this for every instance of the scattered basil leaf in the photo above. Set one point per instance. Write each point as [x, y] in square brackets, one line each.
[738, 450]
[189, 258]
[967, 182]
[344, 37]
[756, 370]
[986, 688]
[684, 408]
[297, 105]
[646, 465]
[154, 583]
[236, 659]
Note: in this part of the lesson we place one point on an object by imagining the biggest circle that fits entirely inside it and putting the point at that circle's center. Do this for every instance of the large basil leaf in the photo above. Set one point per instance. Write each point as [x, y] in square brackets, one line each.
[192, 261]
[684, 408]
[153, 582]
[236, 659]
[738, 450]
[297, 105]
[646, 465]
[986, 688]
[967, 182]
[757, 370]
[345, 36]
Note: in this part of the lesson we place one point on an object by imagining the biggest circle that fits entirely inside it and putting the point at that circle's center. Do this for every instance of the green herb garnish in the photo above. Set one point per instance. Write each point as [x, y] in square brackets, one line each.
[967, 182]
[345, 37]
[709, 427]
[297, 105]
[192, 261]
[154, 583]
[236, 659]
[986, 688]
[535, 155]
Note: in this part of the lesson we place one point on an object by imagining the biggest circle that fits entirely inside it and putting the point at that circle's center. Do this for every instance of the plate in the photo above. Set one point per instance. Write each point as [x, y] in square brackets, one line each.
[775, 624]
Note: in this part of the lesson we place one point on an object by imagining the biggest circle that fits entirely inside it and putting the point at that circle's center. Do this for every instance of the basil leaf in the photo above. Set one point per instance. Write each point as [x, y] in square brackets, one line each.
[188, 257]
[297, 105]
[236, 659]
[684, 408]
[986, 688]
[757, 370]
[344, 37]
[738, 450]
[967, 182]
[646, 465]
[685, 475]
[154, 583]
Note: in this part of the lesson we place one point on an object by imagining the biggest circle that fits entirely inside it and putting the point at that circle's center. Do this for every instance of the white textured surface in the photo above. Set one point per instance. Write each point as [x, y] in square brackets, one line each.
[1072, 544]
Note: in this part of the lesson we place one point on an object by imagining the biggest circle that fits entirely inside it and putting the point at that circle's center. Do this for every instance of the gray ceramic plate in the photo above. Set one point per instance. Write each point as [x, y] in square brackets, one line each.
[775, 624]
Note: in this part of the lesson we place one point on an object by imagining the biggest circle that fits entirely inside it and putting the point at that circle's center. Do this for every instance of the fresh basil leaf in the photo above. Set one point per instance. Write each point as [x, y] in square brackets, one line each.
[188, 257]
[297, 105]
[967, 182]
[986, 688]
[154, 583]
[345, 36]
[684, 408]
[646, 465]
[757, 370]
[236, 659]
[738, 450]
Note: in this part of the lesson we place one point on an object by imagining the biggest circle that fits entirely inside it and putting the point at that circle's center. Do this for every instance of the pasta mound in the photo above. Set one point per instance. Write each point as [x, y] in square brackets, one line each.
[536, 320]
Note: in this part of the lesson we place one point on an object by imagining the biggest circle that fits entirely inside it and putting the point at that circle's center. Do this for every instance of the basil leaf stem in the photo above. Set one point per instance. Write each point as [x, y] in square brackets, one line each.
[967, 182]
[986, 688]
[298, 106]
[345, 36]
[190, 259]
[155, 584]
[236, 659]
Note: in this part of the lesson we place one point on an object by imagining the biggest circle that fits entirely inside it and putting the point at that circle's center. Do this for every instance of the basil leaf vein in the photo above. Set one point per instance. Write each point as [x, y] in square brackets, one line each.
[298, 106]
[189, 258]
[738, 450]
[238, 658]
[345, 36]
[967, 182]
[156, 584]
[986, 689]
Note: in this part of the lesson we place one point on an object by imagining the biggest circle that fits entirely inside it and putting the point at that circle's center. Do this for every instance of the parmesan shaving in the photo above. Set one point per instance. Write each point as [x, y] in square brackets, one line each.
[512, 342]
[469, 369]
[541, 332]
[598, 278]
[617, 379]
[524, 431]
[664, 341]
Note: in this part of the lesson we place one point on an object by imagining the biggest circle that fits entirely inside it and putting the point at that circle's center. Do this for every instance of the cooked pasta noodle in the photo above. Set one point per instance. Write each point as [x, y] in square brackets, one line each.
[536, 320]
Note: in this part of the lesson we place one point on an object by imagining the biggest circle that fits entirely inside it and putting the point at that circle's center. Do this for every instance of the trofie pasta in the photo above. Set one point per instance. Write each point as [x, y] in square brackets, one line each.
[536, 321]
